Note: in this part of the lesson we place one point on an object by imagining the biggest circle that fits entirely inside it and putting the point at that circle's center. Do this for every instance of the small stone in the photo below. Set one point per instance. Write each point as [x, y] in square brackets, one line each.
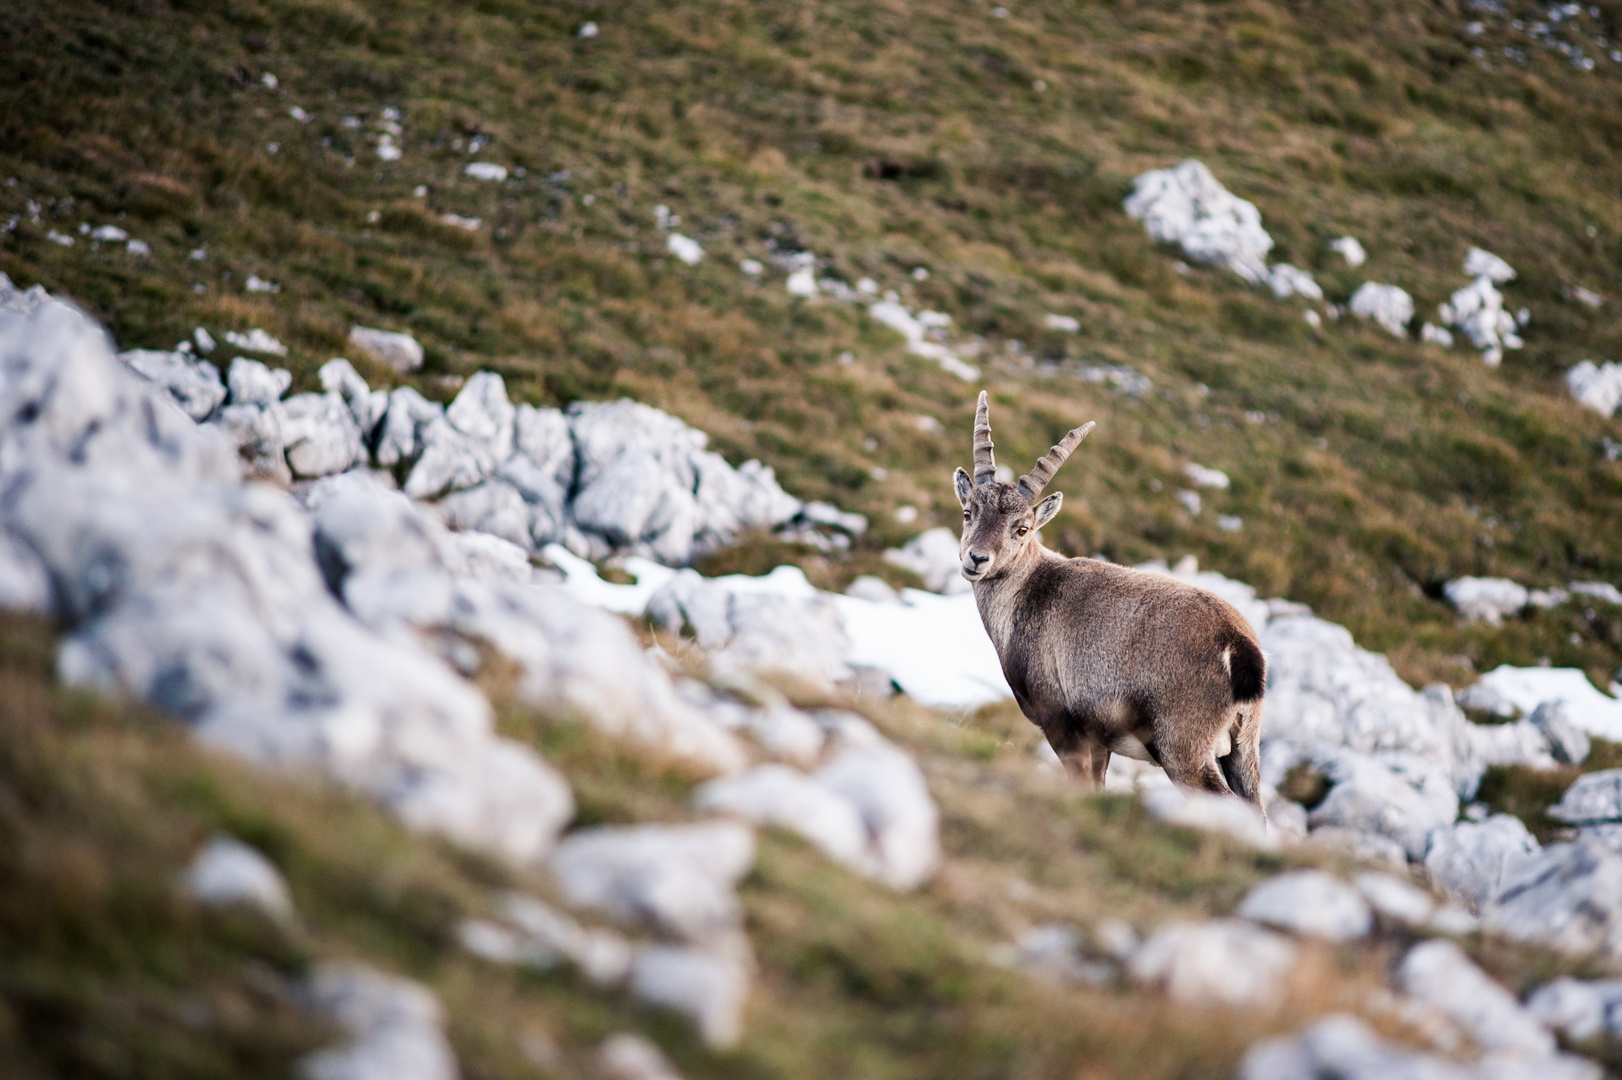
[227, 871]
[194, 384]
[709, 986]
[1593, 798]
[1387, 305]
[781, 796]
[1396, 900]
[395, 1027]
[1349, 249]
[396, 351]
[1186, 205]
[1579, 1009]
[1467, 860]
[1568, 743]
[320, 435]
[1309, 902]
[626, 1056]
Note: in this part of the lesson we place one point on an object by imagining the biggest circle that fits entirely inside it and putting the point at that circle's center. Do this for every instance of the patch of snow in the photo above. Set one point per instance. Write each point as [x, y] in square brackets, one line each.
[1507, 690]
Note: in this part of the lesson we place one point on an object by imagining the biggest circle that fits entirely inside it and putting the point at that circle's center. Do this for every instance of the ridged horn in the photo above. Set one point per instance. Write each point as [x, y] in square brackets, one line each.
[985, 461]
[1032, 483]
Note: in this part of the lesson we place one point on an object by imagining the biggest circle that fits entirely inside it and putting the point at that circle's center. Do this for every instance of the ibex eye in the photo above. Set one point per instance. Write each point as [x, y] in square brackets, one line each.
[1023, 529]
[965, 515]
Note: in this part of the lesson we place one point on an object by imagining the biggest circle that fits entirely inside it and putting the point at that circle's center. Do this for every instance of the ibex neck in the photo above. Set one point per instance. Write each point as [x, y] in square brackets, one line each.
[995, 596]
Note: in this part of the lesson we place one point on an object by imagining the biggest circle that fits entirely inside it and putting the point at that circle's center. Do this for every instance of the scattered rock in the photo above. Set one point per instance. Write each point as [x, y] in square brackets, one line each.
[1220, 962]
[395, 1027]
[1431, 334]
[1567, 742]
[1598, 388]
[320, 435]
[485, 170]
[1486, 600]
[367, 406]
[627, 1056]
[933, 556]
[227, 871]
[676, 878]
[395, 351]
[709, 985]
[1309, 902]
[1481, 263]
[1287, 281]
[1387, 305]
[1349, 249]
[1467, 860]
[685, 248]
[888, 791]
[1064, 324]
[1579, 1009]
[1400, 796]
[194, 384]
[781, 796]
[1563, 897]
[252, 383]
[1592, 798]
[1053, 952]
[1201, 476]
[1477, 311]
[1395, 900]
[1186, 205]
[1439, 975]
[1341, 1047]
[256, 340]
[25, 583]
[1203, 810]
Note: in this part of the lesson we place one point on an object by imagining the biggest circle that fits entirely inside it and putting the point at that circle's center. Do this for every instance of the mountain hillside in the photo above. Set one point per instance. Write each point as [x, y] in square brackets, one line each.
[810, 234]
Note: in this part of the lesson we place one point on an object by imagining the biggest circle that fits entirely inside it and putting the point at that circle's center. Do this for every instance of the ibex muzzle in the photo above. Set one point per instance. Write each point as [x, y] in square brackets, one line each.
[1102, 658]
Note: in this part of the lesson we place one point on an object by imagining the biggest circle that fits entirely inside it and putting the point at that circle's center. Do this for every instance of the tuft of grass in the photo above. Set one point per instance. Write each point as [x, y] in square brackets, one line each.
[1528, 793]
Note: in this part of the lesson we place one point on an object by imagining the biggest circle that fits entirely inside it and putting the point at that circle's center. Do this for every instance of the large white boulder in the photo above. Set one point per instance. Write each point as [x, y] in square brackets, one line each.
[194, 384]
[395, 1028]
[396, 351]
[674, 878]
[1401, 796]
[787, 798]
[1439, 975]
[1388, 305]
[1467, 860]
[1219, 962]
[888, 791]
[320, 435]
[1187, 206]
[1563, 897]
[1311, 903]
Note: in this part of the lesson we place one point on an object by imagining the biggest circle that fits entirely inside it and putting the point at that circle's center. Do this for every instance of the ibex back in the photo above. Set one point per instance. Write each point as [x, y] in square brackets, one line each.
[1102, 658]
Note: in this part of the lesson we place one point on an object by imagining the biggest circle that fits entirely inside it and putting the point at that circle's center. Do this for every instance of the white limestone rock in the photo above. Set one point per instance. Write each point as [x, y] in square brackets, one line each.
[1479, 262]
[1400, 796]
[227, 872]
[1564, 897]
[1467, 860]
[395, 1025]
[709, 985]
[1579, 1009]
[449, 461]
[675, 878]
[542, 468]
[1342, 1047]
[256, 432]
[1438, 974]
[1486, 600]
[1593, 798]
[194, 384]
[252, 383]
[538, 935]
[1388, 305]
[1596, 387]
[1187, 206]
[1477, 311]
[1311, 903]
[405, 422]
[933, 556]
[495, 507]
[1219, 962]
[320, 435]
[367, 406]
[1396, 900]
[1568, 743]
[1287, 281]
[482, 412]
[25, 584]
[627, 1056]
[777, 624]
[1350, 249]
[400, 572]
[396, 351]
[644, 482]
[1214, 813]
[787, 798]
[889, 793]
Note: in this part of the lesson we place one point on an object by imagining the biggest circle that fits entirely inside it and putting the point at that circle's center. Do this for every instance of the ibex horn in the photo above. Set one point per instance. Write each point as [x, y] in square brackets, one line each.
[1032, 483]
[985, 462]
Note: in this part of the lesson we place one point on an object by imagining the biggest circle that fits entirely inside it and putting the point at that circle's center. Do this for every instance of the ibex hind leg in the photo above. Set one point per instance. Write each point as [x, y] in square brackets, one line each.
[1242, 766]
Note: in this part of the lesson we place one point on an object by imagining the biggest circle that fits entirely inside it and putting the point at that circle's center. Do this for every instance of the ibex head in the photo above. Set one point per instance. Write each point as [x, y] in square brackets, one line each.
[1000, 520]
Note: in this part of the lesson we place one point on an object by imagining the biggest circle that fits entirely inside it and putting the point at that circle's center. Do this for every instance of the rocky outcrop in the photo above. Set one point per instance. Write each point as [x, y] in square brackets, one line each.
[1187, 206]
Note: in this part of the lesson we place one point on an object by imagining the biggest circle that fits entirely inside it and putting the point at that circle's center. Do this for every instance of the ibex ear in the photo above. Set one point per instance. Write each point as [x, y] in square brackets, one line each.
[965, 488]
[1048, 508]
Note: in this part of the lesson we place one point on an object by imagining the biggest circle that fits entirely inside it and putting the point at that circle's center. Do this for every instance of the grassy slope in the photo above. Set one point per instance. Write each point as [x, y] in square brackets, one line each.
[1379, 468]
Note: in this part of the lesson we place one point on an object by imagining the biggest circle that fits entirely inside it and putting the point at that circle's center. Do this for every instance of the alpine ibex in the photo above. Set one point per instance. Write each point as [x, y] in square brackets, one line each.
[1106, 659]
